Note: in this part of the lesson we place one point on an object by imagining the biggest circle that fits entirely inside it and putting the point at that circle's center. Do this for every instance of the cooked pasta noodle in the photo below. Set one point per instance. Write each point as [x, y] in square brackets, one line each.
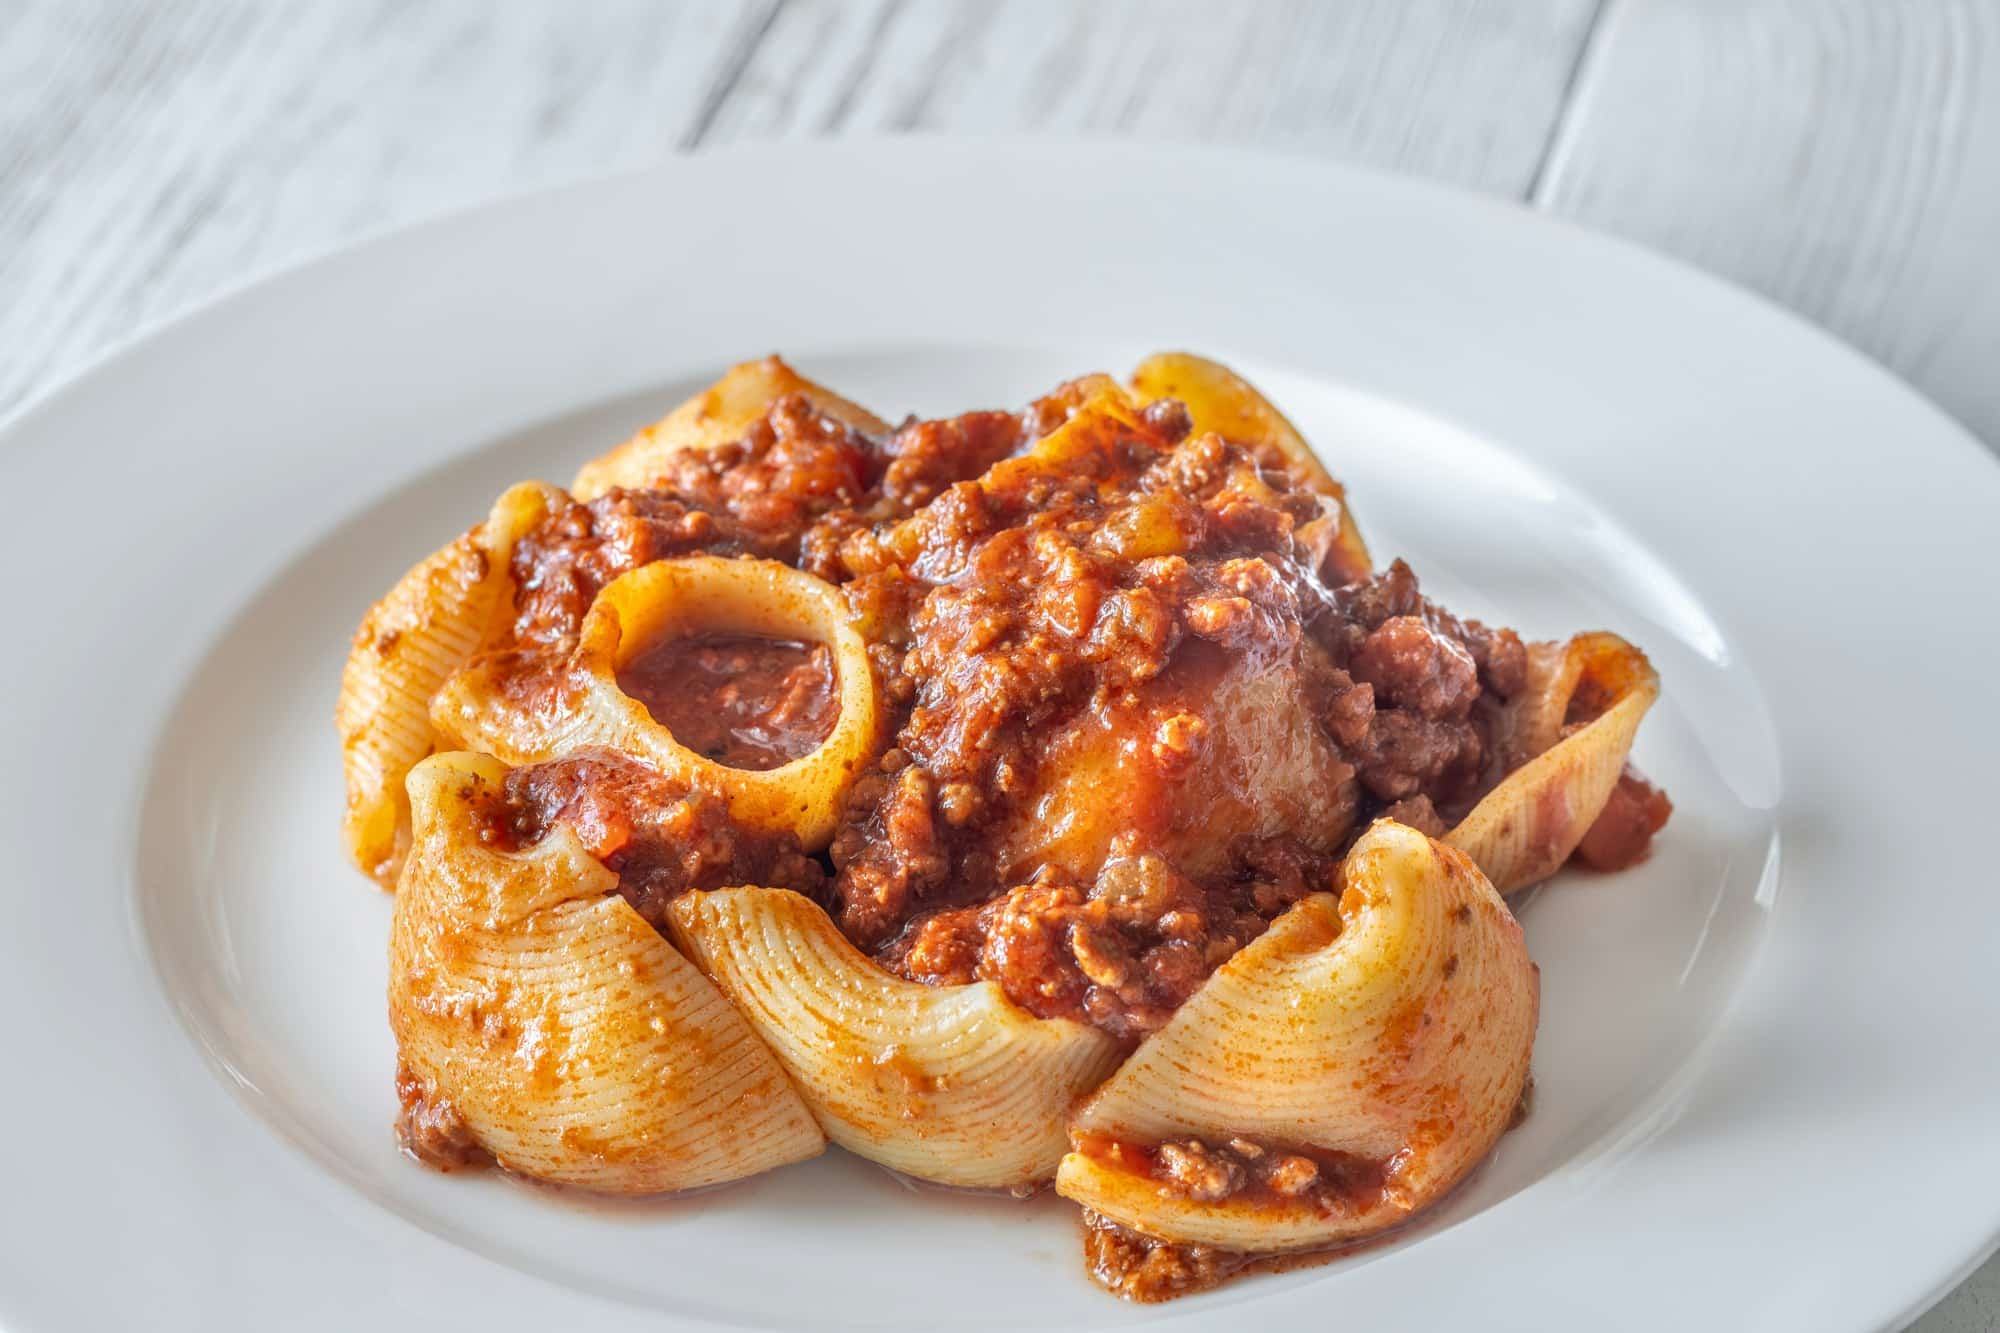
[570, 1040]
[429, 624]
[947, 1083]
[1561, 767]
[1055, 795]
[677, 598]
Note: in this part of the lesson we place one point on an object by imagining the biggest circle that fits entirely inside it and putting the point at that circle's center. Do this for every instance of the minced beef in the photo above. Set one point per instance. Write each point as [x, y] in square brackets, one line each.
[430, 1128]
[1031, 599]
[1327, 1182]
[1038, 601]
[1123, 951]
[1239, 1169]
[560, 565]
[660, 837]
[1148, 1270]
[1073, 633]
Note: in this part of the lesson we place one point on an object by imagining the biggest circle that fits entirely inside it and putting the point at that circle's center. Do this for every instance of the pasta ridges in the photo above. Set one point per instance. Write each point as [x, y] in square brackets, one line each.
[1563, 768]
[1337, 1029]
[950, 1083]
[429, 624]
[571, 1040]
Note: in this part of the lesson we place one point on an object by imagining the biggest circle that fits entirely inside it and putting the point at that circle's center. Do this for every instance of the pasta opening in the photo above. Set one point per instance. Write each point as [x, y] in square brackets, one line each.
[744, 700]
[722, 607]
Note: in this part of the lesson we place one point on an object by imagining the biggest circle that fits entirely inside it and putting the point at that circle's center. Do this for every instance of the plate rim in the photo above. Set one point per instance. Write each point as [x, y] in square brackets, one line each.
[307, 262]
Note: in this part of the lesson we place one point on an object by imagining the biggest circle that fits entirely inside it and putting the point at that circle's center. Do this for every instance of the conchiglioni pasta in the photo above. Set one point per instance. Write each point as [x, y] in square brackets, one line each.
[1020, 796]
[425, 628]
[1562, 767]
[1377, 1042]
[952, 1084]
[678, 598]
[570, 1041]
[1218, 399]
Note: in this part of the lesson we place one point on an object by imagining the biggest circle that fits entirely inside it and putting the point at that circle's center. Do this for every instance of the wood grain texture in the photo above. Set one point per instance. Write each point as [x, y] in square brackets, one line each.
[1840, 156]
[1463, 91]
[150, 156]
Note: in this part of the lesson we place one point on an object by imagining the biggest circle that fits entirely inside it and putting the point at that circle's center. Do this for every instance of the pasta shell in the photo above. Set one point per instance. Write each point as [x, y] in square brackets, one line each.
[719, 414]
[947, 1083]
[434, 619]
[1392, 1024]
[668, 599]
[1523, 830]
[1220, 400]
[571, 1039]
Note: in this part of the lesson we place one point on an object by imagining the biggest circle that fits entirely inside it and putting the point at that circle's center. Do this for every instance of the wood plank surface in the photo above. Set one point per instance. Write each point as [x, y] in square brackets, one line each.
[150, 156]
[1840, 156]
[1462, 91]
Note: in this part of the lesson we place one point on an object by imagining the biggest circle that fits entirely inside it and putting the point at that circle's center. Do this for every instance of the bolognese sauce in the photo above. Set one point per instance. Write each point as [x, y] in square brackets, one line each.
[1148, 593]
[661, 837]
[1135, 711]
[739, 699]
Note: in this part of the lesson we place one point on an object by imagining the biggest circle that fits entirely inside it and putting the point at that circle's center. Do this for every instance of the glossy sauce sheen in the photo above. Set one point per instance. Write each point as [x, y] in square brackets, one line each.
[1134, 710]
[1135, 707]
[1154, 613]
[661, 837]
[740, 700]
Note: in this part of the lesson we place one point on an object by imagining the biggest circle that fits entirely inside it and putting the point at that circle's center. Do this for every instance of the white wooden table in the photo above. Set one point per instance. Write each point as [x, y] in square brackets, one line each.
[1840, 156]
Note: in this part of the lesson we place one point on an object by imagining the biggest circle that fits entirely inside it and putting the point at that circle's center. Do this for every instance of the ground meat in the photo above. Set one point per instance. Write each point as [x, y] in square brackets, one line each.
[888, 852]
[430, 1128]
[1143, 1269]
[1434, 685]
[1406, 754]
[1146, 1269]
[659, 836]
[1249, 1170]
[792, 466]
[1623, 831]
[1122, 952]
[926, 457]
[1168, 418]
[560, 565]
[1411, 665]
[1026, 597]
[1418, 813]
[1364, 607]
[1192, 1169]
[757, 496]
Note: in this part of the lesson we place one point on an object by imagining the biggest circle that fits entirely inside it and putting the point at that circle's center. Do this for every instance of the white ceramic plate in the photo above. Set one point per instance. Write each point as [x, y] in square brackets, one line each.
[1767, 1071]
